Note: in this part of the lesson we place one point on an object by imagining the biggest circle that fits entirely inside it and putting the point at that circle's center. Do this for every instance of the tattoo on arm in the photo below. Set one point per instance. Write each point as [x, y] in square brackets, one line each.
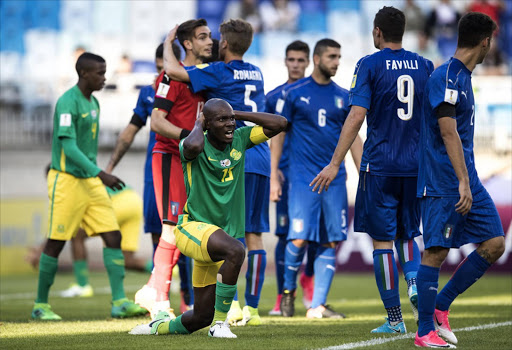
[118, 153]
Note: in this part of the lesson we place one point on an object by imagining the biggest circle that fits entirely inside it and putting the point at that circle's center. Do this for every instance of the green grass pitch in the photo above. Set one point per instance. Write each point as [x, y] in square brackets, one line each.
[87, 323]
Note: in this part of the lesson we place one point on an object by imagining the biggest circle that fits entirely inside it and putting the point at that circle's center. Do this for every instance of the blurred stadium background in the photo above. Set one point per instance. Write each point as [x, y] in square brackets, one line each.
[38, 45]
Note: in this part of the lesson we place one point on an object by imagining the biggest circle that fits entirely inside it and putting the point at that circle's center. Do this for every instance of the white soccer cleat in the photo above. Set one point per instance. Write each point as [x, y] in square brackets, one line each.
[221, 330]
[141, 329]
[77, 291]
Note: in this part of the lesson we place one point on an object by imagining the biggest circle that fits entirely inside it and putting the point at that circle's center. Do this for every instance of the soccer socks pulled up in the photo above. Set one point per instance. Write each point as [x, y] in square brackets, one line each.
[255, 276]
[279, 261]
[467, 273]
[162, 271]
[386, 276]
[427, 283]
[224, 294]
[409, 258]
[47, 271]
[309, 267]
[325, 267]
[113, 260]
[172, 327]
[292, 260]
[81, 272]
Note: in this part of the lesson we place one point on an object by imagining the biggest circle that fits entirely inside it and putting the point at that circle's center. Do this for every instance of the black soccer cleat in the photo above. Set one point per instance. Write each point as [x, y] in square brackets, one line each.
[288, 303]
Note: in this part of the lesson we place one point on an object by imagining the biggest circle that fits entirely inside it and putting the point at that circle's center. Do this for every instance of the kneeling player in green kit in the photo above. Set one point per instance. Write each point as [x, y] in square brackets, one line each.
[214, 215]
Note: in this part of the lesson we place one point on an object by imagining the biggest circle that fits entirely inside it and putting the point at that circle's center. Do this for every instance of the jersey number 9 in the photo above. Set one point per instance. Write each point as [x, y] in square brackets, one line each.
[401, 89]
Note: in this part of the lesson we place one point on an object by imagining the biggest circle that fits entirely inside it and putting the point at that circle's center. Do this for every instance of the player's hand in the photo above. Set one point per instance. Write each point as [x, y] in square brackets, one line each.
[111, 181]
[172, 35]
[324, 178]
[200, 121]
[275, 188]
[466, 199]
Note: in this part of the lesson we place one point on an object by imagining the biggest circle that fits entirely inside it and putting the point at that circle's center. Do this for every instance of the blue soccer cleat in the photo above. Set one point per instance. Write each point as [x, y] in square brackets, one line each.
[388, 328]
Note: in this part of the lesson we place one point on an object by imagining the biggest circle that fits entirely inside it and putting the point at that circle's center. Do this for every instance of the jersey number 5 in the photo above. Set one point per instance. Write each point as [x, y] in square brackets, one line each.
[408, 98]
[249, 88]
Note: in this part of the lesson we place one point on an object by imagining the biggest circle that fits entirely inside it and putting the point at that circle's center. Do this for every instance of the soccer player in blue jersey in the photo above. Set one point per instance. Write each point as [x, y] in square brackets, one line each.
[241, 84]
[152, 222]
[296, 62]
[456, 209]
[315, 108]
[388, 88]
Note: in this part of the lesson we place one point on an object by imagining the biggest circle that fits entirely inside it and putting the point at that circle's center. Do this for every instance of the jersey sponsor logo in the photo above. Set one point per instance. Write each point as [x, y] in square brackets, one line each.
[279, 105]
[298, 225]
[225, 163]
[354, 79]
[202, 65]
[211, 159]
[226, 302]
[304, 99]
[84, 115]
[162, 91]
[463, 93]
[338, 101]
[65, 119]
[450, 96]
[236, 155]
[94, 114]
[174, 208]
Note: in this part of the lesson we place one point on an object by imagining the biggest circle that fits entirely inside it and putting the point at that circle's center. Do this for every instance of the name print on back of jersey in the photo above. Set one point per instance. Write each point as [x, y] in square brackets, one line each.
[401, 64]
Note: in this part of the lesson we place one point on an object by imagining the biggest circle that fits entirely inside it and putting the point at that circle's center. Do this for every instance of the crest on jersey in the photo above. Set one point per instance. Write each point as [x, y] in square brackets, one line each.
[236, 155]
[338, 101]
[354, 79]
[448, 230]
[174, 208]
[298, 225]
[225, 163]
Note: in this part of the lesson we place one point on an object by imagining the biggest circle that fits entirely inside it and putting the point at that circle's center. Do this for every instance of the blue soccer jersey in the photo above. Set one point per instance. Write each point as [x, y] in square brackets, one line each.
[450, 83]
[275, 99]
[241, 84]
[390, 85]
[316, 114]
[143, 110]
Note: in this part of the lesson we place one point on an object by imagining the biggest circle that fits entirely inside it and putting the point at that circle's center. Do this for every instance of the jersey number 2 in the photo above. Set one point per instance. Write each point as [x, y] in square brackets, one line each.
[408, 98]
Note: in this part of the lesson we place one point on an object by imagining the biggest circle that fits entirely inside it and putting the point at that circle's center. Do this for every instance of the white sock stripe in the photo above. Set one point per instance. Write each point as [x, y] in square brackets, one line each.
[255, 261]
[327, 257]
[405, 247]
[379, 341]
[292, 253]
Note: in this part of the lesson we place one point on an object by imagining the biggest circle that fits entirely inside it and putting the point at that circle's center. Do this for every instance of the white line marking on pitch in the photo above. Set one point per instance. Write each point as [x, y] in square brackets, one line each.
[32, 295]
[378, 341]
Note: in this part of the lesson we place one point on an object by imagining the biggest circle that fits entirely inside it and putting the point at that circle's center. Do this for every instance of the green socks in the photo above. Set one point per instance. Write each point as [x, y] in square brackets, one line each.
[47, 271]
[113, 260]
[172, 327]
[224, 294]
[81, 272]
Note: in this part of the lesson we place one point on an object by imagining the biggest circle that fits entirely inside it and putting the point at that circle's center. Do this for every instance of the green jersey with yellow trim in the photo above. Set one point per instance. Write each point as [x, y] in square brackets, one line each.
[215, 182]
[78, 118]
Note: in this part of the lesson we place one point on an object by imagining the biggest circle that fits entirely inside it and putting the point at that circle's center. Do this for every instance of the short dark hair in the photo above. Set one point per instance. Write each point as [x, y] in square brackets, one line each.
[238, 34]
[159, 53]
[391, 21]
[84, 61]
[186, 30]
[323, 44]
[298, 45]
[473, 28]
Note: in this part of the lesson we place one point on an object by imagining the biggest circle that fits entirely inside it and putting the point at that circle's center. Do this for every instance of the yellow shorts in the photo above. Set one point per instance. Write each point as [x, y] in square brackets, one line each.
[192, 240]
[76, 202]
[128, 209]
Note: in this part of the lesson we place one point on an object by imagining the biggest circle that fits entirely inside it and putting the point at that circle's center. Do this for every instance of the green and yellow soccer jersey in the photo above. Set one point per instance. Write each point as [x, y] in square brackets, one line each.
[215, 182]
[78, 118]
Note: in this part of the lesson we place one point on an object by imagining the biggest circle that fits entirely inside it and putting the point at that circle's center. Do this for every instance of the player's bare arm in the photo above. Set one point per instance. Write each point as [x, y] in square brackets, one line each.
[124, 141]
[347, 136]
[194, 143]
[357, 151]
[162, 126]
[276, 176]
[451, 139]
[272, 124]
[172, 66]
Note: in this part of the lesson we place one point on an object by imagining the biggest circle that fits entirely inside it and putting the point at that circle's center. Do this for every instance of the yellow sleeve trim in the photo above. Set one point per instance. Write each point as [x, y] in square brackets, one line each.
[257, 135]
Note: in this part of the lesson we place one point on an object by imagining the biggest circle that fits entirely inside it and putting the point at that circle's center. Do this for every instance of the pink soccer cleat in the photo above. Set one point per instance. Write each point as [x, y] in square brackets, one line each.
[432, 340]
[441, 323]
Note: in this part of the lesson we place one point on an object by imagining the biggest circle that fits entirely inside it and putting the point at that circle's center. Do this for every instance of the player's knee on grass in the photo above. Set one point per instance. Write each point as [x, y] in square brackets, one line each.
[492, 249]
[53, 247]
[112, 239]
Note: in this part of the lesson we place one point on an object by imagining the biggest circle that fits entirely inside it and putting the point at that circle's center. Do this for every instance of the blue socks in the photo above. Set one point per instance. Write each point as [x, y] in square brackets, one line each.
[409, 258]
[309, 268]
[279, 261]
[325, 267]
[292, 260]
[386, 275]
[427, 282]
[257, 262]
[467, 273]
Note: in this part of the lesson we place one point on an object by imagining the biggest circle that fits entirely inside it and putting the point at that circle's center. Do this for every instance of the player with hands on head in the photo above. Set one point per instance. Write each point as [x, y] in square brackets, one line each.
[214, 215]
[387, 89]
[456, 208]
